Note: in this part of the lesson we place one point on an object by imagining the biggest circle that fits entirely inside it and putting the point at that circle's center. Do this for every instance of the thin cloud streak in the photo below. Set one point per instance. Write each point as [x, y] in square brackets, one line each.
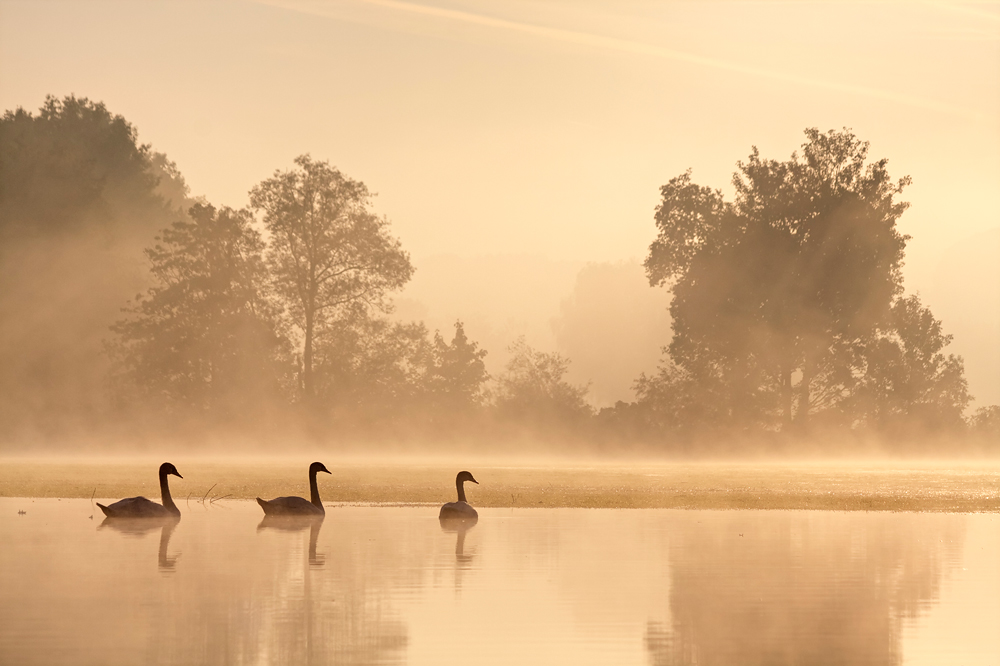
[639, 48]
[964, 10]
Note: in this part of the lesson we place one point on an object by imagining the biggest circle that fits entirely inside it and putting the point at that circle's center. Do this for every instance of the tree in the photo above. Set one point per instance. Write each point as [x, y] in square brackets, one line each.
[79, 199]
[330, 256]
[532, 388]
[71, 166]
[985, 423]
[458, 373]
[785, 281]
[674, 399]
[908, 384]
[206, 335]
[372, 371]
[377, 373]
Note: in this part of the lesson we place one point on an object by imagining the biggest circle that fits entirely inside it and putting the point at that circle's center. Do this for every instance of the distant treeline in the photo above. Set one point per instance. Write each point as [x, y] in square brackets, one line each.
[126, 306]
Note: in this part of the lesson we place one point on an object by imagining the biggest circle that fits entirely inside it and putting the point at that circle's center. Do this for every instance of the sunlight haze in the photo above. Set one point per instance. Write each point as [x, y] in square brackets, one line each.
[544, 128]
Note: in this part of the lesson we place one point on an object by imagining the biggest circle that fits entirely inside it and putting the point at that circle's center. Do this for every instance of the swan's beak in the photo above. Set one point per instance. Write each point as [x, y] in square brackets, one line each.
[178, 475]
[474, 481]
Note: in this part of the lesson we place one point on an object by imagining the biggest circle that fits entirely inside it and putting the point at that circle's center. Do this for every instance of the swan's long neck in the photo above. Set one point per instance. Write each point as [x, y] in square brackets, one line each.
[314, 490]
[168, 501]
[460, 484]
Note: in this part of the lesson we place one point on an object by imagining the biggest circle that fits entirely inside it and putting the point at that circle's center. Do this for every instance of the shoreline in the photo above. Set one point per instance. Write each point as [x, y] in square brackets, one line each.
[962, 487]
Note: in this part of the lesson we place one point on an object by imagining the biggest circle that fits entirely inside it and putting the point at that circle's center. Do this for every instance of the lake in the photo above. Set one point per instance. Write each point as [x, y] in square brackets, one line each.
[389, 585]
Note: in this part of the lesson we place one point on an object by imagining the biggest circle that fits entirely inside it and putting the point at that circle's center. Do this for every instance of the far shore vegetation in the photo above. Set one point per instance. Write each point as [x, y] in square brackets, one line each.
[830, 486]
[131, 311]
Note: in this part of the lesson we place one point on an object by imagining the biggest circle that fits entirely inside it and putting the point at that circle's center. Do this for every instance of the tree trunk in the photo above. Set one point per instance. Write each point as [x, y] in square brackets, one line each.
[307, 358]
[786, 394]
[807, 374]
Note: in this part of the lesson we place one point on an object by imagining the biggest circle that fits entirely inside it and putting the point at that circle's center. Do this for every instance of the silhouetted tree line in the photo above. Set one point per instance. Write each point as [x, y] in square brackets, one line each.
[123, 300]
[79, 199]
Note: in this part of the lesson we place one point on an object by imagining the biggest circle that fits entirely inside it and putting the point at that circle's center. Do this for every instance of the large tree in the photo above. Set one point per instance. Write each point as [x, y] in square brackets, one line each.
[330, 256]
[206, 335]
[784, 282]
[79, 199]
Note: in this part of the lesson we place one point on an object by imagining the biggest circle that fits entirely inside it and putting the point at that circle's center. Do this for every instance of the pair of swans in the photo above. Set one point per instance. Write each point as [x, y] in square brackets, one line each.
[140, 507]
[297, 506]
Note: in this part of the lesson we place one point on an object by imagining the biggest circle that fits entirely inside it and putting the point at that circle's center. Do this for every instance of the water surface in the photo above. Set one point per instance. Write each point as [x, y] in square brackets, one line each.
[389, 585]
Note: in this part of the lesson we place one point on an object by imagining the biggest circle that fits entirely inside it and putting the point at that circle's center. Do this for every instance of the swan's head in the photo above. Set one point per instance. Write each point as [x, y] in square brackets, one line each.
[168, 468]
[466, 476]
[318, 467]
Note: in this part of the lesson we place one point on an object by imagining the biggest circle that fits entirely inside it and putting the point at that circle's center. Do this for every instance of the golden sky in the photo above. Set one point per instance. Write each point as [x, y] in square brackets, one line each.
[531, 126]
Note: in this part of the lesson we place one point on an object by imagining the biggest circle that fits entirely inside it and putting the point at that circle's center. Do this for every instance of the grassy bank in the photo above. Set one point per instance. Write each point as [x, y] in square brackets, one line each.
[848, 487]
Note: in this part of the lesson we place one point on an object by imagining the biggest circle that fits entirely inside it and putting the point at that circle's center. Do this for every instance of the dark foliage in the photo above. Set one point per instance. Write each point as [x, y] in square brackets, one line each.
[207, 335]
[787, 305]
[79, 199]
[786, 302]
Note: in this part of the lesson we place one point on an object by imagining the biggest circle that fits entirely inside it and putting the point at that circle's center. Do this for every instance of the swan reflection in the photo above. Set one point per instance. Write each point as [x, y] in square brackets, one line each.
[140, 527]
[463, 560]
[288, 523]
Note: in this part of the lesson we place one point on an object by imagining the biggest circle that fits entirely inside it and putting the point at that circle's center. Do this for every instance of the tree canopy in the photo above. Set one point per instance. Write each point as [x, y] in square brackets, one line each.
[908, 384]
[330, 257]
[79, 199]
[784, 297]
[207, 334]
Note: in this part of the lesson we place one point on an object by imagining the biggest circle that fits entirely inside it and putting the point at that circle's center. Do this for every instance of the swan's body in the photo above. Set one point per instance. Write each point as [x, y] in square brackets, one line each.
[137, 507]
[460, 510]
[298, 506]
[140, 507]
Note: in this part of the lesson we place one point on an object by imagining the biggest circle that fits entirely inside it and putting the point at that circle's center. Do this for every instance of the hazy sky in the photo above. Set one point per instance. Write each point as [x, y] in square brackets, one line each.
[540, 127]
[532, 126]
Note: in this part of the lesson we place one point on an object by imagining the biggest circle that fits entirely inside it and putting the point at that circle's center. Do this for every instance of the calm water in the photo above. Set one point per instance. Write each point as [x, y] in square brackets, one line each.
[388, 585]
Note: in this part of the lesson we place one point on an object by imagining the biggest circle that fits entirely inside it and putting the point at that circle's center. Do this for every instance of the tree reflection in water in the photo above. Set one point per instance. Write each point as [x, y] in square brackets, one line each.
[802, 588]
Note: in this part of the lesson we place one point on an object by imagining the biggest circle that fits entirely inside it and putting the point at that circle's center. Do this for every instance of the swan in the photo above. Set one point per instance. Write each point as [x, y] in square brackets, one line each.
[297, 506]
[140, 507]
[460, 510]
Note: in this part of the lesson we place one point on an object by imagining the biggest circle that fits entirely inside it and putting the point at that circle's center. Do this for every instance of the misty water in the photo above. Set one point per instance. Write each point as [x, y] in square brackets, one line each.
[390, 585]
